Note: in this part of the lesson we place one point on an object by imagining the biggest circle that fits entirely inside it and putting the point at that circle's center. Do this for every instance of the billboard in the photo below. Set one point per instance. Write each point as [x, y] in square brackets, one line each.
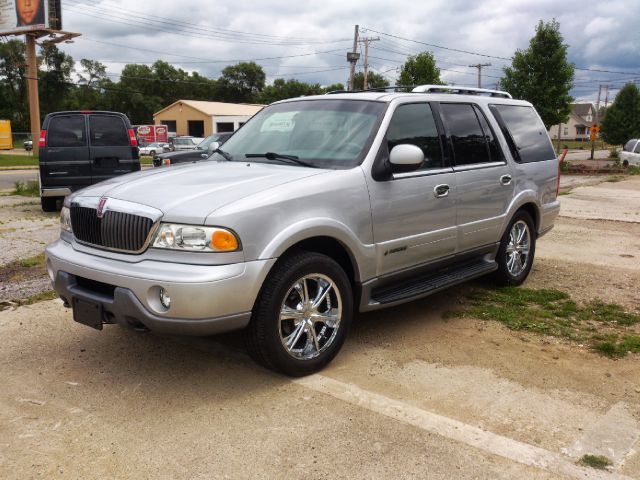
[23, 16]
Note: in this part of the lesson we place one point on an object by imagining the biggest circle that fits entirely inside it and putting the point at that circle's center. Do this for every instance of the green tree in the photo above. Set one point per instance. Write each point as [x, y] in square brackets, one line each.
[13, 85]
[622, 120]
[241, 83]
[420, 69]
[542, 75]
[291, 88]
[55, 82]
[374, 79]
[89, 94]
[334, 87]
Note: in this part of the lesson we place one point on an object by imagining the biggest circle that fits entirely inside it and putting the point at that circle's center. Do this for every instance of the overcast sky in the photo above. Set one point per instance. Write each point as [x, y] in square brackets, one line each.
[313, 36]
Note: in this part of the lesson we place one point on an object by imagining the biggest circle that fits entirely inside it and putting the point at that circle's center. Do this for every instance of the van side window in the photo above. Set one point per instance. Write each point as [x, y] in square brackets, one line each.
[414, 124]
[525, 133]
[468, 140]
[108, 131]
[67, 131]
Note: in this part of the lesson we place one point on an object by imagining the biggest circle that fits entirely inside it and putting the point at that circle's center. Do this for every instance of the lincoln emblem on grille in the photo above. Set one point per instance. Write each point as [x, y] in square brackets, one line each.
[101, 205]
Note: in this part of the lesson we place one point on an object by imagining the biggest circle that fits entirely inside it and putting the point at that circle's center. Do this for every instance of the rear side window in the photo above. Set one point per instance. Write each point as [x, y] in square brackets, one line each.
[108, 131]
[637, 149]
[67, 131]
[525, 133]
[414, 124]
[628, 147]
[467, 138]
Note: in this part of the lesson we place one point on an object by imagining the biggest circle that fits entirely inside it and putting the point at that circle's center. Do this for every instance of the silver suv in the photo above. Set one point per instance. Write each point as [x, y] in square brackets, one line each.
[317, 208]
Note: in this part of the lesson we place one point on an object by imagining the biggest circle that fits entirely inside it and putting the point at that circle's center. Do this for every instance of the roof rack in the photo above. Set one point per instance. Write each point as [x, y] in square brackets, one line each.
[460, 90]
[430, 89]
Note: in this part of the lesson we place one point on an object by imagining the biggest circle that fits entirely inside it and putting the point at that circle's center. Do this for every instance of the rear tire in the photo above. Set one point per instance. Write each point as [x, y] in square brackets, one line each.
[625, 163]
[301, 317]
[49, 204]
[517, 250]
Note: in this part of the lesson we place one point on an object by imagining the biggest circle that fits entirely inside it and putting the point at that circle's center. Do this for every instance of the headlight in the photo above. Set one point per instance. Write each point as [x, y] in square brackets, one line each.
[65, 220]
[195, 238]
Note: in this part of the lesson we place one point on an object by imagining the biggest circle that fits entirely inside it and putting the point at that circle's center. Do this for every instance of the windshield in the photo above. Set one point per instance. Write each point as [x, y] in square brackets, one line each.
[324, 133]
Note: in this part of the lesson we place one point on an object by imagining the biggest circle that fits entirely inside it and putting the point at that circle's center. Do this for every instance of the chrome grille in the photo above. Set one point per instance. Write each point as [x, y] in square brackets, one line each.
[114, 231]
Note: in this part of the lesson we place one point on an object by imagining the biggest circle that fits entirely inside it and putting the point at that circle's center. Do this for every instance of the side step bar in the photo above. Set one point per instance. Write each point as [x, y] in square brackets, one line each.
[427, 284]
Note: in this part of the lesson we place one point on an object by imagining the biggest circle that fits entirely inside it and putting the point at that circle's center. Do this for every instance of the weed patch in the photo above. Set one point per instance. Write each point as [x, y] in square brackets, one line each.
[605, 327]
[595, 461]
[27, 189]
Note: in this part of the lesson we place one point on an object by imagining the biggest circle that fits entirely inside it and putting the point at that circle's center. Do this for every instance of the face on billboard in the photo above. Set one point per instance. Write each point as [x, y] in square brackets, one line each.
[30, 12]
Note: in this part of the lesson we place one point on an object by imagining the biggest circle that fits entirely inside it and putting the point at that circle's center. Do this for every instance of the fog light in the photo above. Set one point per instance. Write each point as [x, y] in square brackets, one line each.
[165, 299]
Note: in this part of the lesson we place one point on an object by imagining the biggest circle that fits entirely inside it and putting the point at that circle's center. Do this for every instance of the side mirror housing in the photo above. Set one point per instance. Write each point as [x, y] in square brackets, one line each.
[213, 146]
[406, 156]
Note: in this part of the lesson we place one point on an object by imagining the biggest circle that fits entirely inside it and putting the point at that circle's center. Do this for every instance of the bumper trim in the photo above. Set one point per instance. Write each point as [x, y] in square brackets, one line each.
[125, 309]
[55, 192]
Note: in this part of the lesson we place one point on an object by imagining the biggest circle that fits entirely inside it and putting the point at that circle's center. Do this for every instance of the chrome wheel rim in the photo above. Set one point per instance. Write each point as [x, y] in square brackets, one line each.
[518, 248]
[310, 316]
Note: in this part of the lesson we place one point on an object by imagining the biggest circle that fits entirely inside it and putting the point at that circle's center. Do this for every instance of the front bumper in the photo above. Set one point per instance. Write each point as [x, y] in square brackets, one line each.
[205, 299]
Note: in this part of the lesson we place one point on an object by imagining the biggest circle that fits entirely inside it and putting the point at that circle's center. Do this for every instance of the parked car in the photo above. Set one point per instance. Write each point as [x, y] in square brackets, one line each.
[78, 149]
[154, 148]
[630, 154]
[201, 151]
[184, 143]
[28, 145]
[318, 207]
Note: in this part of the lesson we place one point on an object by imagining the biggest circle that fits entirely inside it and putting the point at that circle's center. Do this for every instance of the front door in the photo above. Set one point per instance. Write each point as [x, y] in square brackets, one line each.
[414, 213]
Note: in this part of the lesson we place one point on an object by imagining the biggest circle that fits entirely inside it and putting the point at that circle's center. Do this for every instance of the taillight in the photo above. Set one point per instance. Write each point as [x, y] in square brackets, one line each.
[166, 161]
[132, 138]
[42, 142]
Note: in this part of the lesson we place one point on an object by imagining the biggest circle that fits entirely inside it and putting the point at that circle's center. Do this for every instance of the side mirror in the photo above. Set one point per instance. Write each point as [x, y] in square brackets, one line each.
[213, 146]
[406, 155]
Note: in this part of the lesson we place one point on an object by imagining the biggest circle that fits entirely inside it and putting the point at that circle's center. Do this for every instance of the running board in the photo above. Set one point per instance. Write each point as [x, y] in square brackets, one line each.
[427, 284]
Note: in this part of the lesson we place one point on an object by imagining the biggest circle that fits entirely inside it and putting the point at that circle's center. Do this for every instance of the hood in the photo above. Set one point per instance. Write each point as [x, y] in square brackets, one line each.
[190, 193]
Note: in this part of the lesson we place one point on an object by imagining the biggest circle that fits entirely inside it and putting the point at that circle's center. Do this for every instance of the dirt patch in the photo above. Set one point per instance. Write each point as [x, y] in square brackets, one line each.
[23, 282]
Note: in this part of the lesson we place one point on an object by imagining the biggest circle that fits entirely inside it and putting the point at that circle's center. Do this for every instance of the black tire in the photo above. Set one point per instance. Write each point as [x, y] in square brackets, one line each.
[49, 204]
[625, 163]
[503, 275]
[152, 153]
[263, 335]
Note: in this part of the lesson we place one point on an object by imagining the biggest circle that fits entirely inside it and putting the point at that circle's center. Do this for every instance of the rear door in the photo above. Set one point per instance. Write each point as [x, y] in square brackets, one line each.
[483, 177]
[110, 150]
[64, 161]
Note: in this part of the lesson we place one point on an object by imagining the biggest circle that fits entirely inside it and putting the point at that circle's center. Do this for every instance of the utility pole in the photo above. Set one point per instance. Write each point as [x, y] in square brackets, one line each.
[352, 58]
[366, 42]
[479, 67]
[32, 85]
[596, 122]
[606, 97]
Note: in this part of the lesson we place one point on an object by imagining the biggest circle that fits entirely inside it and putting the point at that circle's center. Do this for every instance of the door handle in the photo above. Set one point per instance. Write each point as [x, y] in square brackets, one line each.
[505, 179]
[440, 191]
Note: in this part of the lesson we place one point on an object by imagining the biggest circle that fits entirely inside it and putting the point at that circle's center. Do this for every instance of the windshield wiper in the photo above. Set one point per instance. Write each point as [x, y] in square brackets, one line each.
[226, 155]
[279, 156]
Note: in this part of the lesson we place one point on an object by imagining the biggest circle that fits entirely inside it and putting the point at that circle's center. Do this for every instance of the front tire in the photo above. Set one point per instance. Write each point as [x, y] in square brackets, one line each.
[301, 317]
[517, 250]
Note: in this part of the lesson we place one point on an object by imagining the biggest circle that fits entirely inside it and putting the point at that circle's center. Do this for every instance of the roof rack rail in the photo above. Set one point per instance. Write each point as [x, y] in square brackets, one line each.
[394, 88]
[460, 90]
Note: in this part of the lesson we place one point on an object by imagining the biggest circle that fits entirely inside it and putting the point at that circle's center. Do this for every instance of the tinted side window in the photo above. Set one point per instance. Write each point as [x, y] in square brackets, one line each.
[467, 138]
[68, 131]
[527, 135]
[494, 148]
[629, 145]
[414, 124]
[108, 131]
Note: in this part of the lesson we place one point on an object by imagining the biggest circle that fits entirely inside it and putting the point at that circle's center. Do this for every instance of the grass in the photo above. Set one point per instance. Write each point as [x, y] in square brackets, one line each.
[595, 461]
[38, 297]
[605, 327]
[7, 160]
[37, 261]
[27, 189]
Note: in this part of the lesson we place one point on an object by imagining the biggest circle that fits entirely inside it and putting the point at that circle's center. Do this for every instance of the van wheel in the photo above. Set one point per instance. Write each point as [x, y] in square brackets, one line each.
[49, 204]
[302, 315]
[517, 249]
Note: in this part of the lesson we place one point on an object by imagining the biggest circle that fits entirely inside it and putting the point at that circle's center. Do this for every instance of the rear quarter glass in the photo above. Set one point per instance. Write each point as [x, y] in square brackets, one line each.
[525, 132]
